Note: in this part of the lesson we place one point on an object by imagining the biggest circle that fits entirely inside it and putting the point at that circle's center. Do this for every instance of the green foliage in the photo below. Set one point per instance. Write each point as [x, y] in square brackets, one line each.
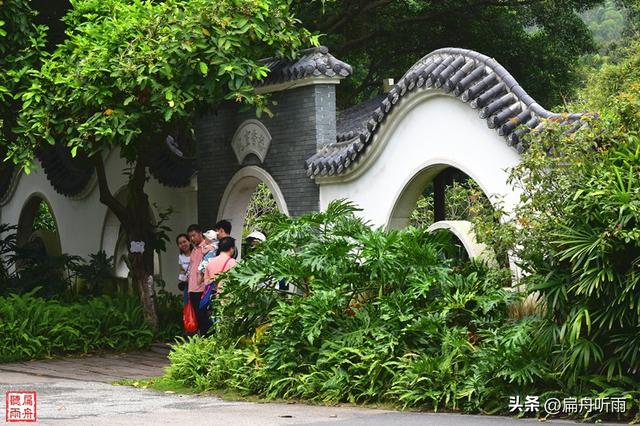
[130, 71]
[583, 247]
[35, 269]
[606, 22]
[540, 42]
[20, 48]
[261, 203]
[375, 317]
[370, 316]
[161, 229]
[96, 273]
[576, 234]
[614, 25]
[44, 219]
[463, 201]
[32, 327]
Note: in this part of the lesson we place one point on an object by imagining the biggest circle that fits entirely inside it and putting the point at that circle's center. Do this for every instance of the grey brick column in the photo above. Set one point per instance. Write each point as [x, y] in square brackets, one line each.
[304, 119]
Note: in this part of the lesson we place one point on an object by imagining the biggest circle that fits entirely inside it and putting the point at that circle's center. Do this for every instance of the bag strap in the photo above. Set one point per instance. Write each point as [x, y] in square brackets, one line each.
[225, 265]
[215, 282]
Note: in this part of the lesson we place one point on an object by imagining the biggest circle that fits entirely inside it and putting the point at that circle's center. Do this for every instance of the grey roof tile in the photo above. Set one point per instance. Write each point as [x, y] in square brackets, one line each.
[68, 175]
[314, 62]
[169, 166]
[471, 76]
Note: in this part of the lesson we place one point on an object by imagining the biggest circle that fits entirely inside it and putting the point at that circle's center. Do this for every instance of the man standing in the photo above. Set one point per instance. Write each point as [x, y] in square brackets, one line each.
[223, 229]
[196, 284]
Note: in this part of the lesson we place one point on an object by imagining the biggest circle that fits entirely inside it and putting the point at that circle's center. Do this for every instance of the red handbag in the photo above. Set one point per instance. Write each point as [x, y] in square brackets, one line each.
[189, 319]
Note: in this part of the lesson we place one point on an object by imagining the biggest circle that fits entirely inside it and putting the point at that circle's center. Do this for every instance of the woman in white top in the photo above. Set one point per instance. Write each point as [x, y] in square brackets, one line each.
[184, 258]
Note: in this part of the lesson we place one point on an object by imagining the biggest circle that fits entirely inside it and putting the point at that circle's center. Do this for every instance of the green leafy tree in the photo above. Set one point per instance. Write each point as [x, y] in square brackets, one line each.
[21, 43]
[538, 41]
[261, 204]
[463, 201]
[606, 22]
[129, 73]
[44, 220]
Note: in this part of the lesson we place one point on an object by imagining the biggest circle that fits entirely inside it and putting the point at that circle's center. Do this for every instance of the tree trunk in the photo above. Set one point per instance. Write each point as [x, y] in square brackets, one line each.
[143, 279]
[135, 219]
[140, 234]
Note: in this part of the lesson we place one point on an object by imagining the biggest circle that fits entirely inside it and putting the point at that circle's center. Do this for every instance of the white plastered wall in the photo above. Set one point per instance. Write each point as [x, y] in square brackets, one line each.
[84, 224]
[426, 132]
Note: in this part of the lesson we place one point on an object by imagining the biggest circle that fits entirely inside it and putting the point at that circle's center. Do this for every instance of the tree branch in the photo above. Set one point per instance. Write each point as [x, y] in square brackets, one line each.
[139, 177]
[106, 197]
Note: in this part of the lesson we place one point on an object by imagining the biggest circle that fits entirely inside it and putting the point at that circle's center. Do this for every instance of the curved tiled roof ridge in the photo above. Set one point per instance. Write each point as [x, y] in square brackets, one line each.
[170, 166]
[313, 62]
[68, 175]
[7, 175]
[473, 77]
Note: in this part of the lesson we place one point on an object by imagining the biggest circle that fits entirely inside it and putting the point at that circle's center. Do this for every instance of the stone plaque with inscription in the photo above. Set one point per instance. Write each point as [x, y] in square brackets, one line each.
[252, 137]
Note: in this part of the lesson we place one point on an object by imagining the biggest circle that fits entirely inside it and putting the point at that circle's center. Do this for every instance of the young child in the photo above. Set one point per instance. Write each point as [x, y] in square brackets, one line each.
[209, 250]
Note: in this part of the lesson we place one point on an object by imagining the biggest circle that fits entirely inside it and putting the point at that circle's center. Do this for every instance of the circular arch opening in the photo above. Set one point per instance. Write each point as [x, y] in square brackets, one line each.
[38, 228]
[441, 188]
[238, 195]
[444, 199]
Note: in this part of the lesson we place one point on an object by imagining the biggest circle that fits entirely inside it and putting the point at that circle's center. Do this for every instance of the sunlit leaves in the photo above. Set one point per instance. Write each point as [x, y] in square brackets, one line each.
[131, 69]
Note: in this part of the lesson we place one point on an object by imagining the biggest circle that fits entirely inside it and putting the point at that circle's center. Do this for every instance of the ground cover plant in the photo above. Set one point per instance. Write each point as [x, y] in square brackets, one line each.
[32, 327]
[55, 305]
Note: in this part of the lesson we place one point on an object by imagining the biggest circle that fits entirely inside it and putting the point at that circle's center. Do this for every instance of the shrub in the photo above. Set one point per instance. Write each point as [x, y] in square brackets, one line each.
[369, 316]
[373, 317]
[96, 273]
[576, 234]
[32, 327]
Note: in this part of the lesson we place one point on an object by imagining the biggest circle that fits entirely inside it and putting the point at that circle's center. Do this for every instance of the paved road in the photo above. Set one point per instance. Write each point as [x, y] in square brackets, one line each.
[78, 392]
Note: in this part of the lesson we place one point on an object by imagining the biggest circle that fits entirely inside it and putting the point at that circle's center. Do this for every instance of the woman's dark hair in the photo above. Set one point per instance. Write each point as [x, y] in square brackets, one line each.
[226, 244]
[187, 238]
[180, 236]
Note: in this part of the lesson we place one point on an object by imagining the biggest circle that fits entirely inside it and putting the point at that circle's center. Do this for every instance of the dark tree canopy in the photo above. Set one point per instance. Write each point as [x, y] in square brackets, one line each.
[50, 13]
[538, 41]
